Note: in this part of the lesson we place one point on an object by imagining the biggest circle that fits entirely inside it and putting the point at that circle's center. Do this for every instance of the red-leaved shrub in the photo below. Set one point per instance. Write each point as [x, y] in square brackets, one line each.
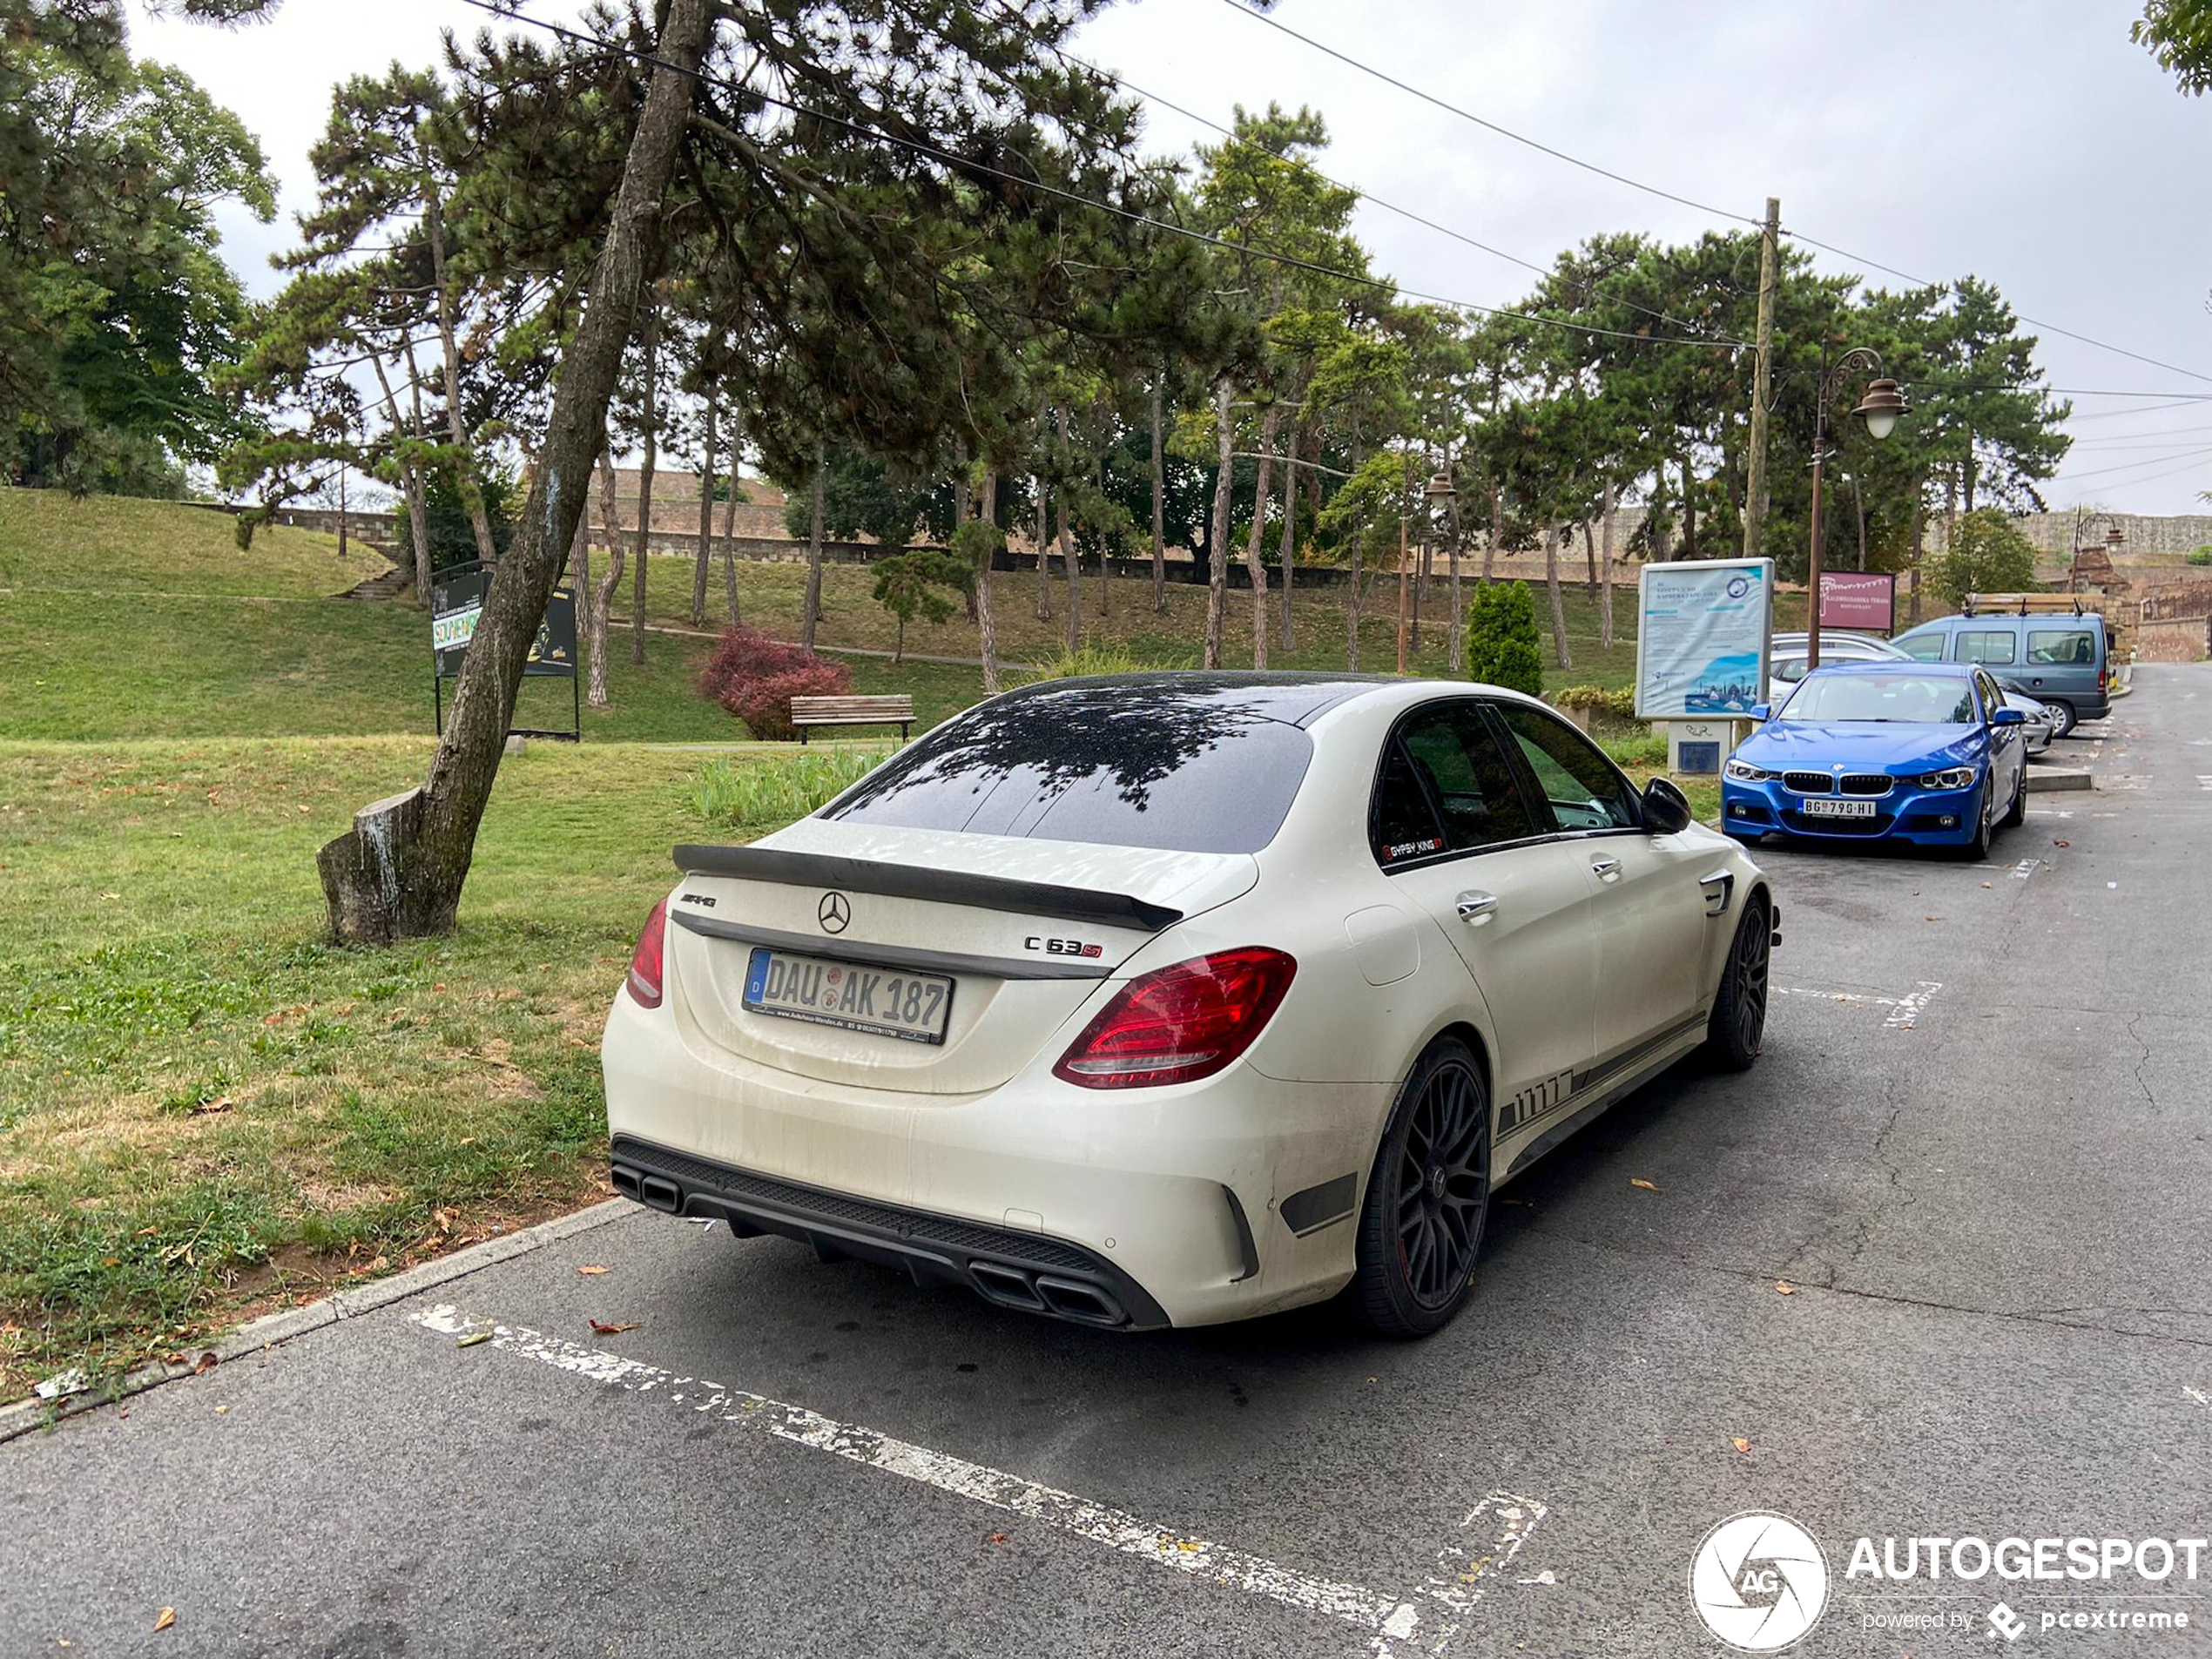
[755, 678]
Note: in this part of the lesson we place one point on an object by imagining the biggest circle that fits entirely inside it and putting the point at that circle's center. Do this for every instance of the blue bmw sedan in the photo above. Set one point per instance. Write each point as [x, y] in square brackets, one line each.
[1923, 752]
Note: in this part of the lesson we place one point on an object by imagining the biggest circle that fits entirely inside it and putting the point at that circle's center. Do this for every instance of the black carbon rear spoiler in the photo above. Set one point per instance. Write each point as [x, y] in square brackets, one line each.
[916, 881]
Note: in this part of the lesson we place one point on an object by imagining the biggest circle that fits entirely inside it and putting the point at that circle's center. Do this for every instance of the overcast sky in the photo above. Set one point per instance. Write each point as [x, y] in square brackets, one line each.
[2031, 144]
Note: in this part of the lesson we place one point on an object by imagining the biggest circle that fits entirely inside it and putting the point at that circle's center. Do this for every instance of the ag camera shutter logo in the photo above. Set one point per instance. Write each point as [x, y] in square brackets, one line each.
[1759, 1581]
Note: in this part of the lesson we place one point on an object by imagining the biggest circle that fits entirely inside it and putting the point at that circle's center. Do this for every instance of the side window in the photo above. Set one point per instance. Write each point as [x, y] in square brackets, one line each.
[1582, 787]
[1987, 645]
[1992, 696]
[1926, 646]
[1445, 787]
[2062, 647]
[1789, 669]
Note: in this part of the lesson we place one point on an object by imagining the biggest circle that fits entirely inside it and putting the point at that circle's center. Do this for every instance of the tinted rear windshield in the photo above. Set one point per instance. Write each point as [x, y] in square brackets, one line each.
[1196, 770]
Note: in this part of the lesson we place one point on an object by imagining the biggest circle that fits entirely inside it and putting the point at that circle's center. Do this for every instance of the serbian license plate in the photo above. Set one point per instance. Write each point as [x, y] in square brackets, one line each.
[1836, 808]
[890, 1003]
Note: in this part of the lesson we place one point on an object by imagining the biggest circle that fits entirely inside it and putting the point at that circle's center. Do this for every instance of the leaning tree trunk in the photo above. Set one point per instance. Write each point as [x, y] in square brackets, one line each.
[1255, 567]
[704, 567]
[1352, 600]
[813, 616]
[464, 461]
[730, 515]
[599, 602]
[1217, 535]
[1044, 565]
[1159, 506]
[652, 408]
[987, 628]
[399, 870]
[1564, 656]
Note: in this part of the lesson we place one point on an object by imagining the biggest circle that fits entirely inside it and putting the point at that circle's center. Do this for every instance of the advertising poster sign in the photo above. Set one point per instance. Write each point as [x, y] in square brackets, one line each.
[457, 604]
[1703, 634]
[1864, 599]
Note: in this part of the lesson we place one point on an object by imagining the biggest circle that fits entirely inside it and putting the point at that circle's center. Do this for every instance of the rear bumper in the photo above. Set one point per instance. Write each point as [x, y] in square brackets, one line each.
[1188, 1204]
[1028, 1271]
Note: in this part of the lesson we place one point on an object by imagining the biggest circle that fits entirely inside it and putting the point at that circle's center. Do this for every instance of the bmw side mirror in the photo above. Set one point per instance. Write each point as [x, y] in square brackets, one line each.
[1666, 809]
[1762, 713]
[2007, 717]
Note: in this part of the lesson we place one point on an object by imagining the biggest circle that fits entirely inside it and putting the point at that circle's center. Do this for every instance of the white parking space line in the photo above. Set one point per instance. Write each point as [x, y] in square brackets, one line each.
[1905, 1011]
[1424, 1622]
[2025, 869]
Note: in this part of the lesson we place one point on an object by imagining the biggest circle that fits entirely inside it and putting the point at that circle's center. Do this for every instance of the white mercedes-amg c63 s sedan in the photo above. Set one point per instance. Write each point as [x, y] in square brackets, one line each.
[1177, 998]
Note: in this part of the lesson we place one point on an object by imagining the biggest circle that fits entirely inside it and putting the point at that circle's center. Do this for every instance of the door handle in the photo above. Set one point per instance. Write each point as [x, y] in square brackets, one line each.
[1607, 869]
[1475, 908]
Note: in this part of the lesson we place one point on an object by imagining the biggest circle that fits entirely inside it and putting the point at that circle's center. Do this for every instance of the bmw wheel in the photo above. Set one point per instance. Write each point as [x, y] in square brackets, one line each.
[1421, 1226]
[1977, 850]
[2016, 814]
[1737, 1026]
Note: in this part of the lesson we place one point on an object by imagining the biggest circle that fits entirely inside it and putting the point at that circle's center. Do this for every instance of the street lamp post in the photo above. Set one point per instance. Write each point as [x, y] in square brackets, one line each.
[2114, 539]
[1438, 488]
[1880, 408]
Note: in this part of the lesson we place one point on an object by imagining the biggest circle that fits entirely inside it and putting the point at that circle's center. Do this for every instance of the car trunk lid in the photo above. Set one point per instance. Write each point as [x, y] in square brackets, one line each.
[1024, 930]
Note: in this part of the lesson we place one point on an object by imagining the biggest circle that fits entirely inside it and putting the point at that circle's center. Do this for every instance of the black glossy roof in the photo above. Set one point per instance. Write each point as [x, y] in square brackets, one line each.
[1292, 697]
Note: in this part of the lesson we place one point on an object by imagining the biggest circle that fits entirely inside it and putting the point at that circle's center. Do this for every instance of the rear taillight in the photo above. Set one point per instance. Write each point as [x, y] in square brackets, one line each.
[645, 962]
[1178, 1023]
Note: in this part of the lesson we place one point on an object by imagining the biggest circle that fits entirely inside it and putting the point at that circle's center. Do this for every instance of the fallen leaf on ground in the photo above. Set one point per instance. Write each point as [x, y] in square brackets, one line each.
[1641, 1184]
[2061, 843]
[1742, 1445]
[998, 1537]
[219, 1410]
[1785, 1288]
[606, 1329]
[220, 1104]
[168, 1617]
[593, 1269]
[205, 1362]
[1935, 918]
[473, 1339]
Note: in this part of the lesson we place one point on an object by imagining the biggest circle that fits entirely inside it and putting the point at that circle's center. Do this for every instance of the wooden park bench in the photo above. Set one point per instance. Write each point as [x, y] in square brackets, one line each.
[888, 709]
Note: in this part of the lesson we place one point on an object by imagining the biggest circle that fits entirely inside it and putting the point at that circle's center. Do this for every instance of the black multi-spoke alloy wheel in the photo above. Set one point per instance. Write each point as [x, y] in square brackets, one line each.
[1978, 849]
[2016, 814]
[1421, 1226]
[1738, 1022]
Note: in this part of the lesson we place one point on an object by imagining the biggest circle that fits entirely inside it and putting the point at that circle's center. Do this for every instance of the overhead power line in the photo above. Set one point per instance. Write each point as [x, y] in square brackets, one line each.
[1491, 126]
[2099, 472]
[1636, 183]
[1116, 78]
[970, 165]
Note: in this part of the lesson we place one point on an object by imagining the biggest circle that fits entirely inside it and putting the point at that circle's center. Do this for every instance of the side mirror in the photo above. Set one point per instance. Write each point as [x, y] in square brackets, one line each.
[2007, 717]
[1762, 713]
[1666, 809]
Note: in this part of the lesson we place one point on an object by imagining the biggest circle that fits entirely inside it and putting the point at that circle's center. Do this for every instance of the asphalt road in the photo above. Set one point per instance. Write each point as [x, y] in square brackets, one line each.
[1976, 1145]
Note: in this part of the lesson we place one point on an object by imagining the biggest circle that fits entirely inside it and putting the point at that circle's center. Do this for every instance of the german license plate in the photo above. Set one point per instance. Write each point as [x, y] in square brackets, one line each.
[890, 1002]
[1836, 808]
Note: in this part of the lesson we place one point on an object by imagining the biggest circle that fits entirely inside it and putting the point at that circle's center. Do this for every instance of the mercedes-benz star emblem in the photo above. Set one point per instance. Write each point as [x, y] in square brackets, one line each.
[833, 912]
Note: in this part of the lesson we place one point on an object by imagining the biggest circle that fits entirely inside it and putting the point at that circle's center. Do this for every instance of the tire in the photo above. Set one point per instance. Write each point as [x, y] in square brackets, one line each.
[1418, 1244]
[2063, 720]
[2016, 814]
[1977, 850]
[1736, 1026]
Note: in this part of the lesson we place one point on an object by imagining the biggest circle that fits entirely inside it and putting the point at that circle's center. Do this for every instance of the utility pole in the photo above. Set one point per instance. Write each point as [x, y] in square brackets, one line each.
[1754, 476]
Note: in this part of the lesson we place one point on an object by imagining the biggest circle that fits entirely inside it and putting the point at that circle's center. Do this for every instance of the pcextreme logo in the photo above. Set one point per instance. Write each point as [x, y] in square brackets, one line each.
[1759, 1581]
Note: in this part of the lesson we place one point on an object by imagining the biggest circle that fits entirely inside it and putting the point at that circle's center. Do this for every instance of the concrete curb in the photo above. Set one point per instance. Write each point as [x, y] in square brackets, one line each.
[2044, 779]
[26, 1415]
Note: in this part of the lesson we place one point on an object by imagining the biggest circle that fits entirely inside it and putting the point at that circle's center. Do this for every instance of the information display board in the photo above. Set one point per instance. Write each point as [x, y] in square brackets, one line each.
[1703, 633]
[457, 605]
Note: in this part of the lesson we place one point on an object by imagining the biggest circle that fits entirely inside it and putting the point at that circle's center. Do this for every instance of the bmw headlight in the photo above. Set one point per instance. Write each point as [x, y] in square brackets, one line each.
[1951, 777]
[1744, 772]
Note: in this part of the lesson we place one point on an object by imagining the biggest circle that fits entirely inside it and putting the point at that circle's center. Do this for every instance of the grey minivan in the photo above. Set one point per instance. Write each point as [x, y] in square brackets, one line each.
[2062, 661]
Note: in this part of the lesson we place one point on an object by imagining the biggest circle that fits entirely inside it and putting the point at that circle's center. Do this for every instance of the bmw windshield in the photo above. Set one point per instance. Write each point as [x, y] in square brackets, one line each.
[1919, 699]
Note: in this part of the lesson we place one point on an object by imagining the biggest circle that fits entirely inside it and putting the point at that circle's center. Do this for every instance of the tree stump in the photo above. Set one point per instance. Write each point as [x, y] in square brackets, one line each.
[363, 884]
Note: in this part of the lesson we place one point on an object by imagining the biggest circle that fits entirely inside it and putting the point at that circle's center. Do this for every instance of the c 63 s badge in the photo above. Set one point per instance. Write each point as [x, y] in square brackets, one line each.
[1060, 947]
